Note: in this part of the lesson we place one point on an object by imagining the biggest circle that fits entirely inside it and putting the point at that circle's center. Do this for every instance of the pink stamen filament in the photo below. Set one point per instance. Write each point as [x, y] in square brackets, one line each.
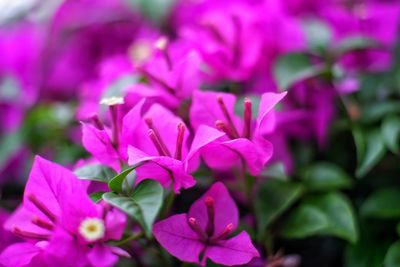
[156, 142]
[156, 138]
[247, 118]
[225, 233]
[197, 228]
[179, 141]
[42, 223]
[210, 204]
[114, 110]
[42, 207]
[224, 128]
[96, 122]
[25, 234]
[228, 118]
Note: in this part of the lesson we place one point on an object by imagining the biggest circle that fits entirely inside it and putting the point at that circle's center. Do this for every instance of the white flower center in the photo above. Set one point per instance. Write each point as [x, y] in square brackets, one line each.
[111, 101]
[92, 229]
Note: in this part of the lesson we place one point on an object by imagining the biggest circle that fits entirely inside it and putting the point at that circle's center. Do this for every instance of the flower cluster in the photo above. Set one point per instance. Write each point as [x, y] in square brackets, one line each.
[189, 142]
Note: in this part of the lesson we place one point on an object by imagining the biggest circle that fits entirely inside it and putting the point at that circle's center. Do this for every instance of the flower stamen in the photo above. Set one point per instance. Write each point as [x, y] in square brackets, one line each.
[210, 204]
[196, 227]
[29, 235]
[42, 223]
[156, 138]
[228, 118]
[179, 141]
[41, 207]
[247, 118]
[225, 233]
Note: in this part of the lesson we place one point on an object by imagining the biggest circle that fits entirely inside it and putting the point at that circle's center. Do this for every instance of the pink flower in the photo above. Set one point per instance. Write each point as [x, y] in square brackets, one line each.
[204, 232]
[61, 225]
[158, 144]
[243, 140]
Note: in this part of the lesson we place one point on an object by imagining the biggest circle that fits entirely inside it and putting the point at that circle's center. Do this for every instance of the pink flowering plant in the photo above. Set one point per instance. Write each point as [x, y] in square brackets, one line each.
[261, 133]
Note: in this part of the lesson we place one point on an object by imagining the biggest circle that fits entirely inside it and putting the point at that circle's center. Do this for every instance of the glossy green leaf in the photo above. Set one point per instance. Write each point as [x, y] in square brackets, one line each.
[326, 214]
[292, 68]
[116, 183]
[374, 149]
[97, 196]
[382, 204]
[324, 176]
[142, 205]
[273, 198]
[392, 258]
[304, 221]
[391, 133]
[95, 172]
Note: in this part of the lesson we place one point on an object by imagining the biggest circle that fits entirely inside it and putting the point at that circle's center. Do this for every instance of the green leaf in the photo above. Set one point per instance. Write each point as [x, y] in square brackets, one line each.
[355, 43]
[116, 183]
[97, 196]
[276, 171]
[391, 133]
[374, 150]
[327, 214]
[382, 204]
[274, 197]
[95, 172]
[304, 221]
[142, 205]
[292, 68]
[318, 34]
[365, 253]
[324, 176]
[392, 258]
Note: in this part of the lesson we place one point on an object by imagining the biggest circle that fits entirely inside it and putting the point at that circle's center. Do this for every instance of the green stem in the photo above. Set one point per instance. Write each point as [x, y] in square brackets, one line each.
[128, 239]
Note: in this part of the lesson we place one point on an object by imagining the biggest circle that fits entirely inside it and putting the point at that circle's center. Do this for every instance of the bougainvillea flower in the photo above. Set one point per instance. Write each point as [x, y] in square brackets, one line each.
[378, 20]
[173, 72]
[158, 144]
[243, 140]
[204, 232]
[60, 224]
[78, 41]
[229, 39]
[308, 111]
[103, 142]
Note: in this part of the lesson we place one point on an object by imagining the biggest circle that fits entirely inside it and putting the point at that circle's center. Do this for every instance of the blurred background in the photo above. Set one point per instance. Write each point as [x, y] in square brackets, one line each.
[338, 59]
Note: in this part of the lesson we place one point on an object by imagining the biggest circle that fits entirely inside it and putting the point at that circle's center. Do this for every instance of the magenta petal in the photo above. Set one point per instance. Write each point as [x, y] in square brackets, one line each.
[204, 136]
[22, 218]
[235, 251]
[64, 249]
[166, 170]
[255, 154]
[205, 108]
[102, 256]
[47, 182]
[266, 116]
[115, 224]
[226, 211]
[19, 254]
[176, 236]
[99, 144]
